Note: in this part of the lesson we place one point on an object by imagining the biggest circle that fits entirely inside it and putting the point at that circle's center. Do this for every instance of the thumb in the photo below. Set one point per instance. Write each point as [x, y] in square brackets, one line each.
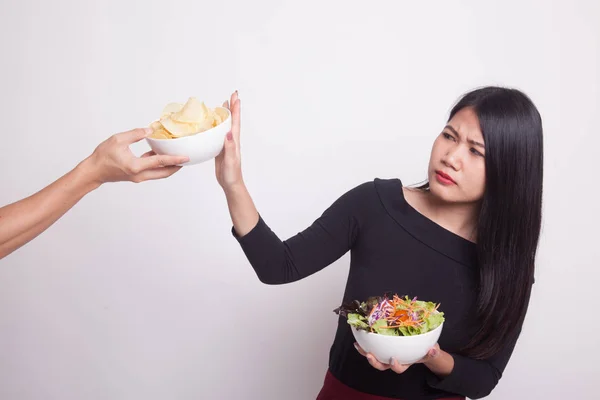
[229, 147]
[431, 354]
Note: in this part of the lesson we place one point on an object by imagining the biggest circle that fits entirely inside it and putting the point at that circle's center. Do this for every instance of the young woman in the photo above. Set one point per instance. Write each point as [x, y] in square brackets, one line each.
[467, 239]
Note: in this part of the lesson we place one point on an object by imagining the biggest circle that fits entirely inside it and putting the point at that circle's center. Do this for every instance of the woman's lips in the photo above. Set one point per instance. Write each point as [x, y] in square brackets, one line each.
[444, 178]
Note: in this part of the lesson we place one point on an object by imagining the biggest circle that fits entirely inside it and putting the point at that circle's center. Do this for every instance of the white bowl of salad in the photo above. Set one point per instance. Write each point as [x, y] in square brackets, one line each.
[394, 327]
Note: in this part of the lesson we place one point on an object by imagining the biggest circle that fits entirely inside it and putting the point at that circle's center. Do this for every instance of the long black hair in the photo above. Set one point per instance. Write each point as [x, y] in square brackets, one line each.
[510, 218]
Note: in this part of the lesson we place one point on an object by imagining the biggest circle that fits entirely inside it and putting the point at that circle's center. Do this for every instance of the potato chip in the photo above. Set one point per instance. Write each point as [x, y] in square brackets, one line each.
[171, 108]
[207, 124]
[222, 112]
[160, 134]
[217, 118]
[193, 112]
[179, 120]
[155, 126]
[178, 129]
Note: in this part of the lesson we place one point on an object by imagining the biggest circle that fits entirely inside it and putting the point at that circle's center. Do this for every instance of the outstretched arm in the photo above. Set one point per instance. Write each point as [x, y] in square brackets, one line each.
[111, 161]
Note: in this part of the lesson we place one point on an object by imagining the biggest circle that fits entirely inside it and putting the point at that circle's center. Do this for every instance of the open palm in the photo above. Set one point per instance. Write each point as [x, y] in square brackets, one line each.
[228, 166]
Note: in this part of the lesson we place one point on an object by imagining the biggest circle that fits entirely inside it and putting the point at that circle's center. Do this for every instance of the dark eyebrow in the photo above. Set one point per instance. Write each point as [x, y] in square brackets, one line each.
[457, 134]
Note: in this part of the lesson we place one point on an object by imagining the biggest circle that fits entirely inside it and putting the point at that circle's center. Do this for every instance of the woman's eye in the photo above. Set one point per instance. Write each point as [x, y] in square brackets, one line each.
[477, 153]
[448, 136]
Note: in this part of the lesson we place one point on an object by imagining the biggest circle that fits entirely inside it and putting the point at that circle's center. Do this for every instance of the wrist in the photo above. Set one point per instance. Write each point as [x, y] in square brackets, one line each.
[431, 363]
[233, 189]
[87, 172]
[441, 365]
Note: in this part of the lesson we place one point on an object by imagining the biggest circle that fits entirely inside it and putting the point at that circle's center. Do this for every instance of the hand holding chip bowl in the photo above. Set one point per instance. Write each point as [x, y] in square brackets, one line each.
[191, 129]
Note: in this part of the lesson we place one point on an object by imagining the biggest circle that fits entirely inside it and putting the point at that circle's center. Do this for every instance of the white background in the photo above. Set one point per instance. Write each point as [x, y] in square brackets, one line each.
[140, 292]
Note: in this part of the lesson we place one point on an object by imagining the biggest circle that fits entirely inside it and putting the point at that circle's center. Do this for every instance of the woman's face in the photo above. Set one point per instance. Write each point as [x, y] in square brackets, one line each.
[457, 165]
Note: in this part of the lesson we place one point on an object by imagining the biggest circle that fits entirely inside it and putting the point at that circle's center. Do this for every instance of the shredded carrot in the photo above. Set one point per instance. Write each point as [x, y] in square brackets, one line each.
[400, 312]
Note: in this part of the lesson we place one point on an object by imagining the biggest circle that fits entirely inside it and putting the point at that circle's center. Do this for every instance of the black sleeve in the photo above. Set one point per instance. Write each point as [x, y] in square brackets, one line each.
[325, 241]
[476, 379]
[472, 378]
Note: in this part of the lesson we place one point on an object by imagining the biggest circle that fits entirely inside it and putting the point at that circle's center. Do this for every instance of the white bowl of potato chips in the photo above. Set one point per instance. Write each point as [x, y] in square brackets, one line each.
[191, 129]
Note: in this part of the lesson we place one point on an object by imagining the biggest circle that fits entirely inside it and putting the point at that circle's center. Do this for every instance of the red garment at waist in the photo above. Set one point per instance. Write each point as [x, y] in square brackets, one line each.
[333, 389]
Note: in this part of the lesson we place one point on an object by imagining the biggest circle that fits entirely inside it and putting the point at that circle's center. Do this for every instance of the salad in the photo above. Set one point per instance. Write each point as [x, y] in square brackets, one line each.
[392, 315]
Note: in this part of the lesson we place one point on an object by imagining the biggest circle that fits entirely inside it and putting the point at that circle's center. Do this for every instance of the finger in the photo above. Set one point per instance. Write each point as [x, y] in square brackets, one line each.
[226, 104]
[236, 109]
[157, 161]
[235, 119]
[229, 149]
[397, 367]
[148, 154]
[433, 353]
[134, 135]
[153, 174]
[376, 364]
[220, 156]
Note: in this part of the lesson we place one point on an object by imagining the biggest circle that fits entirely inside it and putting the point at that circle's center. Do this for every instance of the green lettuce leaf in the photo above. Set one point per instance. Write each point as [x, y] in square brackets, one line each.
[409, 330]
[357, 315]
[434, 320]
[379, 325]
[357, 321]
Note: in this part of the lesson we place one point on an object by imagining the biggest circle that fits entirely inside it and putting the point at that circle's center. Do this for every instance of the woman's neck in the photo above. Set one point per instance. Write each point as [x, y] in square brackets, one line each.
[458, 218]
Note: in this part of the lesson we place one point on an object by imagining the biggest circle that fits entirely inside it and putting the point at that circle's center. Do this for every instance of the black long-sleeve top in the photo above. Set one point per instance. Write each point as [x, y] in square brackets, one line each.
[394, 248]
